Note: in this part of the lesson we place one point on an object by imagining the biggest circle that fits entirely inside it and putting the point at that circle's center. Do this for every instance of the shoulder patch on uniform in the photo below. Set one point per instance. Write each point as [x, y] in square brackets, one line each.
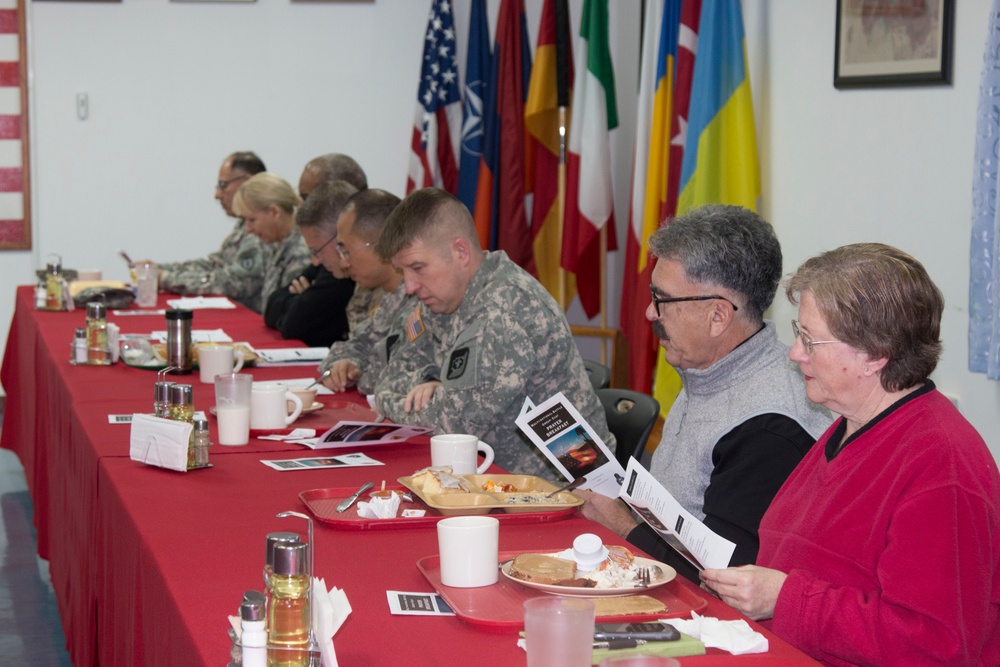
[457, 363]
[415, 325]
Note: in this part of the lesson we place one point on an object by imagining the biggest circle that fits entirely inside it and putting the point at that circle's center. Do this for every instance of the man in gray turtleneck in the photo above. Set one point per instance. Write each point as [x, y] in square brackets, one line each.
[741, 422]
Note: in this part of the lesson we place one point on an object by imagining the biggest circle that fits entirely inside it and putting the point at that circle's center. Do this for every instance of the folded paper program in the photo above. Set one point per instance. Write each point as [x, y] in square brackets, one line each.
[160, 442]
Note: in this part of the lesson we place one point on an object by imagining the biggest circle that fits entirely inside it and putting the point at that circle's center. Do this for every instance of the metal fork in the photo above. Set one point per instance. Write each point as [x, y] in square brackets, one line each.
[644, 577]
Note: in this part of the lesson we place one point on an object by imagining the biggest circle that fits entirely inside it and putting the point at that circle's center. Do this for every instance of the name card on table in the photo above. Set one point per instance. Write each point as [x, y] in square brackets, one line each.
[160, 442]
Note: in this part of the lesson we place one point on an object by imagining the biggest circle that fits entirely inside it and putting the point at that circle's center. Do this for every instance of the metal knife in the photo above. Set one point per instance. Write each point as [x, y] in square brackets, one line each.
[342, 507]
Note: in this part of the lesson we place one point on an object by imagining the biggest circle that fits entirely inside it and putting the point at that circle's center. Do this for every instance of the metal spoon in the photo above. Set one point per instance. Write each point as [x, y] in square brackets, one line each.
[322, 377]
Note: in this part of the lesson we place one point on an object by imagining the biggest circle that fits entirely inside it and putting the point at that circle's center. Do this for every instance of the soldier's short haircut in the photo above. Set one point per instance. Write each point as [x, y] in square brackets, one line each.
[324, 205]
[371, 209]
[339, 167]
[246, 162]
[422, 214]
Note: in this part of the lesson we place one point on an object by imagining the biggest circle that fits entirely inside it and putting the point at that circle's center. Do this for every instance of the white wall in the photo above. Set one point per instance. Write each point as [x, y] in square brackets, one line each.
[890, 165]
[175, 86]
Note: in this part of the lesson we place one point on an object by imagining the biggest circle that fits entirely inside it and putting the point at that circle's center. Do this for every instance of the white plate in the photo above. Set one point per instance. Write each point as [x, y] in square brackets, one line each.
[312, 408]
[665, 575]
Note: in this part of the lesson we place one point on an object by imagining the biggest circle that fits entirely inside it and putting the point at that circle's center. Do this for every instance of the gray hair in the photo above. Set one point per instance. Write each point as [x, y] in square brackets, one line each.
[726, 246]
[339, 167]
[324, 205]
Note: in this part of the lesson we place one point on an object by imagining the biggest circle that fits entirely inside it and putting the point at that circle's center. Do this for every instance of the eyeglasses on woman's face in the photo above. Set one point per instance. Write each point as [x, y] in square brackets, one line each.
[806, 340]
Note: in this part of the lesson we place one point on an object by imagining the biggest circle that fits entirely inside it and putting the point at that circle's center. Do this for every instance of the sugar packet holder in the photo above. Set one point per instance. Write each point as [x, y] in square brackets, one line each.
[160, 442]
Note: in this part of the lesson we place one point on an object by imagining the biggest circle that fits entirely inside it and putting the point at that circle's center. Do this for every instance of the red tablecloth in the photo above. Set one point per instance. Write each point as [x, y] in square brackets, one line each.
[147, 563]
[56, 421]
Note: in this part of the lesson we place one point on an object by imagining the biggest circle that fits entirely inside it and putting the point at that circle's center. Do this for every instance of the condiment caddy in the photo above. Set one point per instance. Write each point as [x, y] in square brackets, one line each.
[95, 343]
[52, 291]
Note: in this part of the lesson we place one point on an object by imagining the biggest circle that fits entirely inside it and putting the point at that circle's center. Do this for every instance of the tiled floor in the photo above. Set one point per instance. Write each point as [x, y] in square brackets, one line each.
[30, 631]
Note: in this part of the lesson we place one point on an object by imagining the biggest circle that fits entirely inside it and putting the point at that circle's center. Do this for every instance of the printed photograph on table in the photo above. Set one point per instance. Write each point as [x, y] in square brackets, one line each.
[893, 42]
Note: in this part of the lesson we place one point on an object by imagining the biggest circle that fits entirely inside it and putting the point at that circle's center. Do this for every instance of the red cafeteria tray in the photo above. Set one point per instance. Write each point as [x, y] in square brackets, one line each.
[323, 504]
[500, 607]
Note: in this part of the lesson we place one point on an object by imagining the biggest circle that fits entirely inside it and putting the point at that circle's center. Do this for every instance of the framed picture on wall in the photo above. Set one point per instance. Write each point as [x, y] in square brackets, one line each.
[893, 42]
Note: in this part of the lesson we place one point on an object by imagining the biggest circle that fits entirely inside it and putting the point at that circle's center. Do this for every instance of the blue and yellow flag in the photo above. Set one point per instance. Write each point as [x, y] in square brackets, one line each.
[720, 155]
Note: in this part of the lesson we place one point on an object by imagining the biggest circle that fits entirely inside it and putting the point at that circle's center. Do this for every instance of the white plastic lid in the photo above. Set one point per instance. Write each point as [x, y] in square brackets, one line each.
[589, 551]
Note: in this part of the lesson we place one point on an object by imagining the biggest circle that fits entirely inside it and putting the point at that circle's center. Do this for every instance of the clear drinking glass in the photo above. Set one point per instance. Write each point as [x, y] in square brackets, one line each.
[559, 632]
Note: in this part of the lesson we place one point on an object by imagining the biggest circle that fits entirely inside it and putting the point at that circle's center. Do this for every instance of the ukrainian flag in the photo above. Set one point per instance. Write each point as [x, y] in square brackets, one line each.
[720, 155]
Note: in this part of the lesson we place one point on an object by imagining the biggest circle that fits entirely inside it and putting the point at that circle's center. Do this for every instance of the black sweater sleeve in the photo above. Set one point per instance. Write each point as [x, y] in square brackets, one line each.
[318, 316]
[751, 462]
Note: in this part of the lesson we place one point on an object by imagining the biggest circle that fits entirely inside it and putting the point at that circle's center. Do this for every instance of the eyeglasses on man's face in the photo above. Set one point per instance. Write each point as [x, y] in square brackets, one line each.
[345, 254]
[222, 185]
[317, 251]
[806, 340]
[657, 299]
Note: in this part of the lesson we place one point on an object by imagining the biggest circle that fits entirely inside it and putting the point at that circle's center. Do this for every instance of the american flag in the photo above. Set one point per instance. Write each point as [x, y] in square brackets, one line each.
[14, 232]
[438, 120]
[415, 325]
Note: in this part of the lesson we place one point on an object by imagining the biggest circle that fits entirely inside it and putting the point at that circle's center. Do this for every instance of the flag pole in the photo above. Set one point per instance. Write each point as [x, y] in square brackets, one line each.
[561, 201]
[604, 291]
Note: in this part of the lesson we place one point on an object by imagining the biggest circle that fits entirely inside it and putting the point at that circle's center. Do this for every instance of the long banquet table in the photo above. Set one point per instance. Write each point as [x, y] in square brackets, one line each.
[147, 563]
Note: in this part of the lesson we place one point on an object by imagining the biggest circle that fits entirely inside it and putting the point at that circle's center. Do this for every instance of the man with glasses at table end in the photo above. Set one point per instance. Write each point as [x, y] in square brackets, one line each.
[313, 307]
[393, 343]
[236, 270]
[501, 337]
[741, 422]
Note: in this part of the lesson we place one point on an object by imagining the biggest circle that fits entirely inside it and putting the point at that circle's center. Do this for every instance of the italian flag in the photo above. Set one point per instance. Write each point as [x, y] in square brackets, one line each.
[589, 200]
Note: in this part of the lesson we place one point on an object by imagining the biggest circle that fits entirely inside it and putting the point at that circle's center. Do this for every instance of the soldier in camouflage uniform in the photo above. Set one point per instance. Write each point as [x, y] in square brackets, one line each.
[362, 305]
[502, 337]
[322, 305]
[267, 204]
[237, 268]
[393, 345]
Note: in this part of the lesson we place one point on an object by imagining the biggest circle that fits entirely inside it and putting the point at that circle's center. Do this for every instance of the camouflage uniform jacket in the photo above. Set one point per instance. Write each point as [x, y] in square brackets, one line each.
[286, 260]
[362, 304]
[393, 348]
[235, 270]
[507, 341]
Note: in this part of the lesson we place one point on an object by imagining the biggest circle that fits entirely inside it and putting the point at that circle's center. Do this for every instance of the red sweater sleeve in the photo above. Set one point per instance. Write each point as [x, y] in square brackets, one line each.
[938, 546]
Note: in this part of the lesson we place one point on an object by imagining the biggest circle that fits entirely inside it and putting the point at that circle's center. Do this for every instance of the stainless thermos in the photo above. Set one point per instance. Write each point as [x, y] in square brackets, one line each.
[179, 340]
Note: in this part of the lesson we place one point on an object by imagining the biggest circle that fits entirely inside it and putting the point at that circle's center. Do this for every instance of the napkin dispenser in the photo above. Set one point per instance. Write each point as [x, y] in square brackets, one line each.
[160, 442]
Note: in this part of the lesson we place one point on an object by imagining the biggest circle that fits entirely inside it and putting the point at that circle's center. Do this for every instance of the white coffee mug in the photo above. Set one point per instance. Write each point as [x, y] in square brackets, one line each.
[469, 551]
[461, 452]
[217, 360]
[269, 406]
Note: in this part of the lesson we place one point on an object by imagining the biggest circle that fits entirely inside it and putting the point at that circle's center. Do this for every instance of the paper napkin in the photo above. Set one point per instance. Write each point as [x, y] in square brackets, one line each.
[329, 611]
[737, 637]
[160, 442]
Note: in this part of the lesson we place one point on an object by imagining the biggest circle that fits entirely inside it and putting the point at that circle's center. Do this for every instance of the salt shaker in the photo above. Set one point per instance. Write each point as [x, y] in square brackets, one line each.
[254, 635]
[80, 346]
[179, 340]
[200, 443]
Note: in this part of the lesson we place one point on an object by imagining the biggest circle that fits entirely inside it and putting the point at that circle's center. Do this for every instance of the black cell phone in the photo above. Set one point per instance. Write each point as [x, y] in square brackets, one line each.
[651, 632]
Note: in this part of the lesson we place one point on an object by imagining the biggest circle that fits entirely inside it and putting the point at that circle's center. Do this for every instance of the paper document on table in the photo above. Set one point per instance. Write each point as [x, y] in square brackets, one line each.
[343, 461]
[568, 441]
[679, 528]
[292, 356]
[201, 303]
[352, 434]
[197, 336]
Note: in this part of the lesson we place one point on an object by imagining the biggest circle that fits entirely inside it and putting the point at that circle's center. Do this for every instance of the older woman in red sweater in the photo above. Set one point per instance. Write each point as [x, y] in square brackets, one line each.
[883, 546]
